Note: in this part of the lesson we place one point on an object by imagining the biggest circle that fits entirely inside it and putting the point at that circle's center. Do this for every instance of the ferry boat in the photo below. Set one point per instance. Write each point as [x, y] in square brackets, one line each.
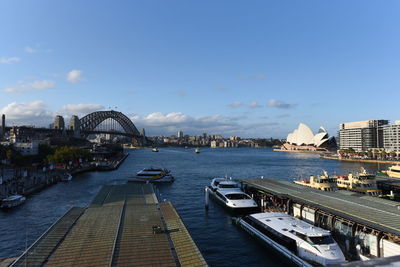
[301, 242]
[393, 171]
[227, 193]
[322, 182]
[362, 182]
[12, 201]
[153, 175]
[66, 177]
[154, 149]
[197, 150]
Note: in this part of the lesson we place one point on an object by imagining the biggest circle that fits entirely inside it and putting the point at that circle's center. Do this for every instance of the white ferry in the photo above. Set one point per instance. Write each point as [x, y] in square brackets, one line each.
[12, 201]
[302, 243]
[227, 193]
[153, 175]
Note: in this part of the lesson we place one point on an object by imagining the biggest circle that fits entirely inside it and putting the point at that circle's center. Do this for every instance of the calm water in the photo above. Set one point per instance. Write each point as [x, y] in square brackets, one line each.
[221, 243]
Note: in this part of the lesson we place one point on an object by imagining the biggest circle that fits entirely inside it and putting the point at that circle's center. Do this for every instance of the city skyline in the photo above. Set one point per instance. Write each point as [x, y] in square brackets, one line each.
[226, 68]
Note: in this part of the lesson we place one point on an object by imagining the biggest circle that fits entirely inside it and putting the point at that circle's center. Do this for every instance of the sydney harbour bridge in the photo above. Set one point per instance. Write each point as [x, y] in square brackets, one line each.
[102, 122]
[110, 122]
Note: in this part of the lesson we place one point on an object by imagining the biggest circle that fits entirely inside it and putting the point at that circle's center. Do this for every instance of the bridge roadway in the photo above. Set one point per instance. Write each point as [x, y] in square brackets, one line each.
[125, 225]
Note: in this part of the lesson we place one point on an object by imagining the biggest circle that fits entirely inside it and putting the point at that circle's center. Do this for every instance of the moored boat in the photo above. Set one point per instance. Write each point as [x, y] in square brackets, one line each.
[393, 171]
[197, 150]
[152, 175]
[154, 149]
[362, 182]
[12, 201]
[66, 177]
[322, 182]
[228, 194]
[302, 243]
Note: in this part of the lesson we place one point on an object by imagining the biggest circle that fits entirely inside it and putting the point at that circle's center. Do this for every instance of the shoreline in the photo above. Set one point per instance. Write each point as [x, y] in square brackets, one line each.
[362, 160]
[300, 151]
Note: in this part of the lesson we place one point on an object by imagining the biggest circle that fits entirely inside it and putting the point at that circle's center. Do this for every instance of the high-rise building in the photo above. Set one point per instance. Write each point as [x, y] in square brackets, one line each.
[59, 122]
[362, 135]
[143, 132]
[391, 137]
[180, 134]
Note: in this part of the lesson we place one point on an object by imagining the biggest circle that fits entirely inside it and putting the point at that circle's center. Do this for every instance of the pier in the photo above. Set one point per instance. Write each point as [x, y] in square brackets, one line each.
[125, 225]
[354, 219]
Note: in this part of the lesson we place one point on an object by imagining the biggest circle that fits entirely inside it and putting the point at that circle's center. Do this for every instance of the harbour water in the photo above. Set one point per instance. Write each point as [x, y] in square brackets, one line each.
[221, 243]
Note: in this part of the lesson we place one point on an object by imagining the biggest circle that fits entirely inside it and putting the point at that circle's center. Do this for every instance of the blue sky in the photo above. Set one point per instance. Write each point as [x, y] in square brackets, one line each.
[247, 68]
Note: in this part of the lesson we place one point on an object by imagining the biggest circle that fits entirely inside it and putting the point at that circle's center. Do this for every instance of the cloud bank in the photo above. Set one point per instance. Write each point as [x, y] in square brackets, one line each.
[23, 87]
[9, 60]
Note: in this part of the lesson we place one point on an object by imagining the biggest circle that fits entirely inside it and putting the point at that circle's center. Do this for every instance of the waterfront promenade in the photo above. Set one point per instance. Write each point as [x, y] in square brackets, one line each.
[28, 181]
[393, 162]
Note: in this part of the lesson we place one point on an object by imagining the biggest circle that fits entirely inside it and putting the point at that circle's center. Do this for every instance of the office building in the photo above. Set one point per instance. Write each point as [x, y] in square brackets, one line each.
[180, 134]
[362, 135]
[391, 137]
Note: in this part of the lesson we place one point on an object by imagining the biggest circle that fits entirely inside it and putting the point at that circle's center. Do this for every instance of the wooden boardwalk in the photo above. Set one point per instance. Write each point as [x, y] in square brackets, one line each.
[124, 226]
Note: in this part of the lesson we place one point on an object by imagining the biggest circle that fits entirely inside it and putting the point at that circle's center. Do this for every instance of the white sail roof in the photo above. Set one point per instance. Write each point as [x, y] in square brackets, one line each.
[303, 135]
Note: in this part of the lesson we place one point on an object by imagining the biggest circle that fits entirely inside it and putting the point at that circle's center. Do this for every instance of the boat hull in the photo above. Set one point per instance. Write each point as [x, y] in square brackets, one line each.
[268, 242]
[164, 179]
[232, 210]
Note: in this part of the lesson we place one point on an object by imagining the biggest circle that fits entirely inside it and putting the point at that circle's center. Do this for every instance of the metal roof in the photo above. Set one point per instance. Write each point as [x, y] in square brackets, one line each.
[373, 212]
[117, 230]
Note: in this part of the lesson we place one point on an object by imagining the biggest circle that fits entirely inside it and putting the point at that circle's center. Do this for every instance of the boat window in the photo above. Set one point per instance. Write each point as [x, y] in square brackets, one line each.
[394, 170]
[322, 240]
[221, 196]
[237, 196]
[216, 183]
[227, 186]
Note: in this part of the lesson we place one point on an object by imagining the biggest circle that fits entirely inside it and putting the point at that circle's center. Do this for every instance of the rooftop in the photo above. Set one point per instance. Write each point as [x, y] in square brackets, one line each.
[124, 226]
[380, 214]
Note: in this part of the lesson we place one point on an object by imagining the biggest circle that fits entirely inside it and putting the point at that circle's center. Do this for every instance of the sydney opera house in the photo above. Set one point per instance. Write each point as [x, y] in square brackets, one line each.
[303, 139]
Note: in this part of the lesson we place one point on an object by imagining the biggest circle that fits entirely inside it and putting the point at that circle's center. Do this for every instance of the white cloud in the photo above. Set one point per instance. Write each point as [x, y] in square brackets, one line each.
[27, 113]
[279, 104]
[75, 76]
[9, 60]
[23, 87]
[254, 104]
[80, 109]
[169, 123]
[235, 104]
[30, 50]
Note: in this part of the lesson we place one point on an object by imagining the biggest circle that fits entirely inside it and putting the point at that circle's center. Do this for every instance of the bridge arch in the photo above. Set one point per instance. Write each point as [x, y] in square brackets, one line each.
[91, 121]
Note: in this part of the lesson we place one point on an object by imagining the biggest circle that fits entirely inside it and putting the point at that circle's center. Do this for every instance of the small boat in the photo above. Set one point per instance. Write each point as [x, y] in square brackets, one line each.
[197, 150]
[393, 171]
[322, 182]
[228, 193]
[66, 177]
[153, 175]
[299, 241]
[154, 149]
[362, 182]
[12, 201]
